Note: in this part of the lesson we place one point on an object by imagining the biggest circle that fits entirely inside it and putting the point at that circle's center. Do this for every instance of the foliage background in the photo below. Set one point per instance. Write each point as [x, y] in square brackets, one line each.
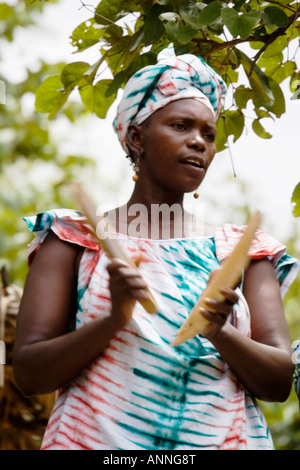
[38, 156]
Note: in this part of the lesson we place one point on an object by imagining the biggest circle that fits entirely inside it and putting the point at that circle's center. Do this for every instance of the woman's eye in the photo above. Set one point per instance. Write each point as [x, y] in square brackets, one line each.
[179, 126]
[210, 137]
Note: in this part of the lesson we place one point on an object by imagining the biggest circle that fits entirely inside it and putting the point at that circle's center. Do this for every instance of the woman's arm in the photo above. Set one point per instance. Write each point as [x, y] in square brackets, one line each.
[46, 355]
[263, 362]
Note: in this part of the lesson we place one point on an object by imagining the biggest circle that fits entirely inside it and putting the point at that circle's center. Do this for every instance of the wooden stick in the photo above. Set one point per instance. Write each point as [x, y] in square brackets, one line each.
[228, 276]
[108, 242]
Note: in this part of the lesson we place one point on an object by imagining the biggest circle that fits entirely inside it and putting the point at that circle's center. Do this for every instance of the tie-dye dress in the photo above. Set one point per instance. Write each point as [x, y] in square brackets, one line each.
[141, 393]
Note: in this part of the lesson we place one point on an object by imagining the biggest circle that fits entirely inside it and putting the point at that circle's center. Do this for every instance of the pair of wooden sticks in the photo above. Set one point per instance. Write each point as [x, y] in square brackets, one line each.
[228, 276]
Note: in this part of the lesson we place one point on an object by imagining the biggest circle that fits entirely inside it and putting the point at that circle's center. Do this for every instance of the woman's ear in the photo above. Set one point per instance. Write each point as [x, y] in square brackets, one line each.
[135, 139]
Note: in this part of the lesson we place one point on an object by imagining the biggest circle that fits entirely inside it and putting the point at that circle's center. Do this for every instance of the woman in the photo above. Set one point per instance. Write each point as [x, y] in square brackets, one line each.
[121, 383]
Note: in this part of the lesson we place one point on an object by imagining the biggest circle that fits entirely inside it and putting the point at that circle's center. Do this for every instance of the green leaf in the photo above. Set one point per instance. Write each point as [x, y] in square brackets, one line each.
[172, 30]
[278, 106]
[267, 62]
[185, 33]
[51, 96]
[108, 12]
[96, 99]
[279, 71]
[242, 95]
[295, 86]
[248, 21]
[119, 56]
[232, 75]
[118, 82]
[217, 27]
[142, 61]
[231, 20]
[190, 13]
[210, 13]
[122, 77]
[198, 15]
[240, 24]
[6, 12]
[137, 39]
[234, 121]
[179, 32]
[258, 80]
[87, 34]
[262, 113]
[154, 29]
[229, 123]
[276, 47]
[113, 34]
[260, 130]
[274, 16]
[72, 73]
[239, 4]
[296, 201]
[221, 138]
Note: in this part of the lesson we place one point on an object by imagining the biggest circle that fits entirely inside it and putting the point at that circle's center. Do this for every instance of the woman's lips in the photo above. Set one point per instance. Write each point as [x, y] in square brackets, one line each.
[194, 163]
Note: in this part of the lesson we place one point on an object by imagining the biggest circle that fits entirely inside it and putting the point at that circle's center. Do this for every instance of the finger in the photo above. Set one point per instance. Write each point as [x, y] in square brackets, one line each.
[139, 294]
[221, 308]
[216, 318]
[230, 295]
[119, 269]
[117, 263]
[127, 272]
[127, 278]
[218, 308]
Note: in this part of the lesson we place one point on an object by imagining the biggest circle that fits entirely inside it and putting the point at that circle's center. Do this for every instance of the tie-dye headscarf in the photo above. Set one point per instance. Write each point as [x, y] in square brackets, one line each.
[172, 78]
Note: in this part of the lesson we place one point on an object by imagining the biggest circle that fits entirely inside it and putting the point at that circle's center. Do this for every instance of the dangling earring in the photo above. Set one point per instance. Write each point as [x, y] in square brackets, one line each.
[196, 195]
[136, 169]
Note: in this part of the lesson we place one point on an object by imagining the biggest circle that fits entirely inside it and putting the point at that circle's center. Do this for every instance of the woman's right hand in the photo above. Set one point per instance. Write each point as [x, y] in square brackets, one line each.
[126, 287]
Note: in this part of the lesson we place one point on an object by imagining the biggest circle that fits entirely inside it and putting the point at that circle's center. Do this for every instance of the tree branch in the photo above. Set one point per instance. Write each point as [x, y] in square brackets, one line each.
[267, 39]
[273, 36]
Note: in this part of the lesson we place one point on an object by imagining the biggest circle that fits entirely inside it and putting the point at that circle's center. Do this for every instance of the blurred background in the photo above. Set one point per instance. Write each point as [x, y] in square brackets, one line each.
[39, 157]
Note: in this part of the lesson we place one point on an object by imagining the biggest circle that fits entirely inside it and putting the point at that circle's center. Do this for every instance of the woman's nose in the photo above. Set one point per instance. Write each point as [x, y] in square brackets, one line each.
[196, 141]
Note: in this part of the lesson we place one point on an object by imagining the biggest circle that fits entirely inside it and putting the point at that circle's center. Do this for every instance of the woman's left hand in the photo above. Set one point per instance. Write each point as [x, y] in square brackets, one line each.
[221, 310]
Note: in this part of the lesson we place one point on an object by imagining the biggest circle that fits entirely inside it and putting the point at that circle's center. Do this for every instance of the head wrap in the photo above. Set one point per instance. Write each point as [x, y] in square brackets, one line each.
[172, 78]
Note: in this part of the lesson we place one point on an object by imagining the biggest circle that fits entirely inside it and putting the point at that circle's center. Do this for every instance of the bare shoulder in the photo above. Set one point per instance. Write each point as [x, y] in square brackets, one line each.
[54, 250]
[49, 296]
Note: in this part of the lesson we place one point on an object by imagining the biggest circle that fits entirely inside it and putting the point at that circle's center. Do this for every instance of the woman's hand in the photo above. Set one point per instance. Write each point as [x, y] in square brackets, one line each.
[221, 310]
[261, 362]
[126, 287]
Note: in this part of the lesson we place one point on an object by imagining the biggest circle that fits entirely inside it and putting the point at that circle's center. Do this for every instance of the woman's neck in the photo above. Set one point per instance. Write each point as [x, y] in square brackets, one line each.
[153, 197]
[156, 217]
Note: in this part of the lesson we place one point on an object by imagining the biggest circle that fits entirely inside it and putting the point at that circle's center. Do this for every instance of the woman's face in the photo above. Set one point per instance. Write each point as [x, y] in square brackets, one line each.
[177, 144]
